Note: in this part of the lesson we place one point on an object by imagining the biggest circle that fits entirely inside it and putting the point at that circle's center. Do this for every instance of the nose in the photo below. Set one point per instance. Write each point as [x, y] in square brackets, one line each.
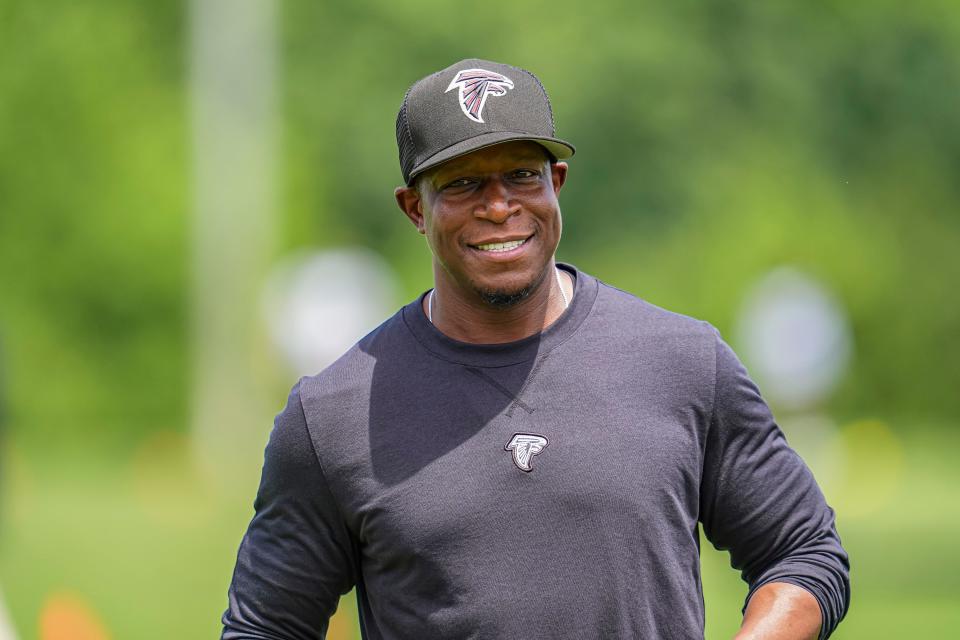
[495, 204]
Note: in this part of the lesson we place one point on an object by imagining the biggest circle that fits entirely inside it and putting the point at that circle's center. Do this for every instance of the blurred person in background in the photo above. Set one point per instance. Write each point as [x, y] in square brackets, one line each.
[525, 451]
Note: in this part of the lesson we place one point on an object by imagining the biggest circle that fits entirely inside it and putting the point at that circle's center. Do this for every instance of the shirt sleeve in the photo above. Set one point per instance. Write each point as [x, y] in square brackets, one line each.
[760, 502]
[297, 557]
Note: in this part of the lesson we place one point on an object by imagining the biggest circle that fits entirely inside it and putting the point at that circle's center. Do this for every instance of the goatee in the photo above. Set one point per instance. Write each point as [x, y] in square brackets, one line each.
[506, 299]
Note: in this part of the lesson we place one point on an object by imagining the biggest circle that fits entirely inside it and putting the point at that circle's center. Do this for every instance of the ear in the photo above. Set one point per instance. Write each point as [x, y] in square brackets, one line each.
[558, 174]
[410, 202]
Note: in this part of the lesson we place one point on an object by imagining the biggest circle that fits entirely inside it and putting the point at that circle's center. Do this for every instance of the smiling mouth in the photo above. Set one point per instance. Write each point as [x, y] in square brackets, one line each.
[501, 247]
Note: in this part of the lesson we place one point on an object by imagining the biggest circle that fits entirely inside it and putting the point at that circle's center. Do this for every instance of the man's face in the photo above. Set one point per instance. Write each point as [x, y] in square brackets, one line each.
[491, 218]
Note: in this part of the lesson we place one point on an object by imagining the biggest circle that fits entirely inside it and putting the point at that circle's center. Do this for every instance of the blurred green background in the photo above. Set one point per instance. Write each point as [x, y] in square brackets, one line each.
[717, 141]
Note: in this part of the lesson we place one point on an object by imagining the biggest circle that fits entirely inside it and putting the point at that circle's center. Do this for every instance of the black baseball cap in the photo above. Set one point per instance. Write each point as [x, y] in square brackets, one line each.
[470, 105]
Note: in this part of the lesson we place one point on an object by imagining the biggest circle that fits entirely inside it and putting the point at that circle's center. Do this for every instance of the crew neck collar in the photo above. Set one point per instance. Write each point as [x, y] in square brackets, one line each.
[508, 353]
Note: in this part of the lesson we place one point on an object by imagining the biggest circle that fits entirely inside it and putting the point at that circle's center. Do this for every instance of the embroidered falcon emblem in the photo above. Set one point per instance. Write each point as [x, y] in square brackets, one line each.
[524, 446]
[475, 85]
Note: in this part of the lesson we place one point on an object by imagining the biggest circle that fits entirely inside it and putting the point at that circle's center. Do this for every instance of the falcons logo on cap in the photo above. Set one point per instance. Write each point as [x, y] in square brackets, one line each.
[475, 85]
[524, 446]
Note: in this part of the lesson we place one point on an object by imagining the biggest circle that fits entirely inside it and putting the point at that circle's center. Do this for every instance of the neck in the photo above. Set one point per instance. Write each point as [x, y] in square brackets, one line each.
[468, 318]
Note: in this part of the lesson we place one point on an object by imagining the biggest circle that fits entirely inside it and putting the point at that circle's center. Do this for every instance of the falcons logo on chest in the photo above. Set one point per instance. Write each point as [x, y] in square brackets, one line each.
[524, 446]
[475, 86]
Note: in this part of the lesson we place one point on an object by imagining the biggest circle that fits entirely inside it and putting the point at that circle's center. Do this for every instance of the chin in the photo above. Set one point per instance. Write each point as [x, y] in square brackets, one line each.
[504, 299]
[506, 296]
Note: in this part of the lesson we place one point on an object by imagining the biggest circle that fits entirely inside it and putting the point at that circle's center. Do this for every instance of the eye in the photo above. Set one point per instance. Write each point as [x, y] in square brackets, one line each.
[525, 175]
[459, 183]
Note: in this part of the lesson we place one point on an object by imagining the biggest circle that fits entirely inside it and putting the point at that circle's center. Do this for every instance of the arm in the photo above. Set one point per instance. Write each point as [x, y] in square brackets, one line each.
[297, 557]
[760, 502]
[781, 611]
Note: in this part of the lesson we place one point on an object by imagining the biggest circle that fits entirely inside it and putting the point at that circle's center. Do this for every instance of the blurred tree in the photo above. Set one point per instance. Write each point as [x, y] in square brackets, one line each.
[93, 226]
[716, 140]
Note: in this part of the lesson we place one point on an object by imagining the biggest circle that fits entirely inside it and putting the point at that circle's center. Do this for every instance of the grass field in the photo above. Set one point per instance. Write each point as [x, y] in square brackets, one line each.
[138, 546]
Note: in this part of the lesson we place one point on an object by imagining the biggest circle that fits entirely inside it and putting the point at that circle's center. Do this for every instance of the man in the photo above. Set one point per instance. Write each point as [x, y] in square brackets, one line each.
[524, 451]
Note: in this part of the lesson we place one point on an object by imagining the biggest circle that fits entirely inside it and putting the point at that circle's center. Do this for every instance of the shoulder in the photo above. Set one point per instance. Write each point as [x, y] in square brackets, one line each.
[631, 316]
[643, 341]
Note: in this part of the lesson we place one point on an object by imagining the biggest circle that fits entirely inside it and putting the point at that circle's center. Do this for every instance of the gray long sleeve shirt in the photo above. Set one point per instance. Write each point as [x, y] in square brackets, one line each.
[547, 488]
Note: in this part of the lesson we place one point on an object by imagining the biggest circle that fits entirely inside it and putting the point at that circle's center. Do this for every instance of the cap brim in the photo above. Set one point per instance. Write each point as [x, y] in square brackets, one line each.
[559, 148]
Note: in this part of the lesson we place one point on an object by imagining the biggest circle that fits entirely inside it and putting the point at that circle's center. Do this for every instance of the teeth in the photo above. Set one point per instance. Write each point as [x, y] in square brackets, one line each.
[500, 246]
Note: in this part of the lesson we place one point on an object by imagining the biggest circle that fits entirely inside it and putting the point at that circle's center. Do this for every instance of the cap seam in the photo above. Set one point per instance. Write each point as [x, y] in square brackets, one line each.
[546, 96]
[406, 124]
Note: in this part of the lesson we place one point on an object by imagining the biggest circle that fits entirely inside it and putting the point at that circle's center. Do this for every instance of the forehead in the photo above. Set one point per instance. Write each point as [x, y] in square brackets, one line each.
[493, 157]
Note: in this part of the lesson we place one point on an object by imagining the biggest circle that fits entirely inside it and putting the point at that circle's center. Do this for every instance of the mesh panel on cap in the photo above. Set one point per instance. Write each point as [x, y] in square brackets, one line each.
[408, 151]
